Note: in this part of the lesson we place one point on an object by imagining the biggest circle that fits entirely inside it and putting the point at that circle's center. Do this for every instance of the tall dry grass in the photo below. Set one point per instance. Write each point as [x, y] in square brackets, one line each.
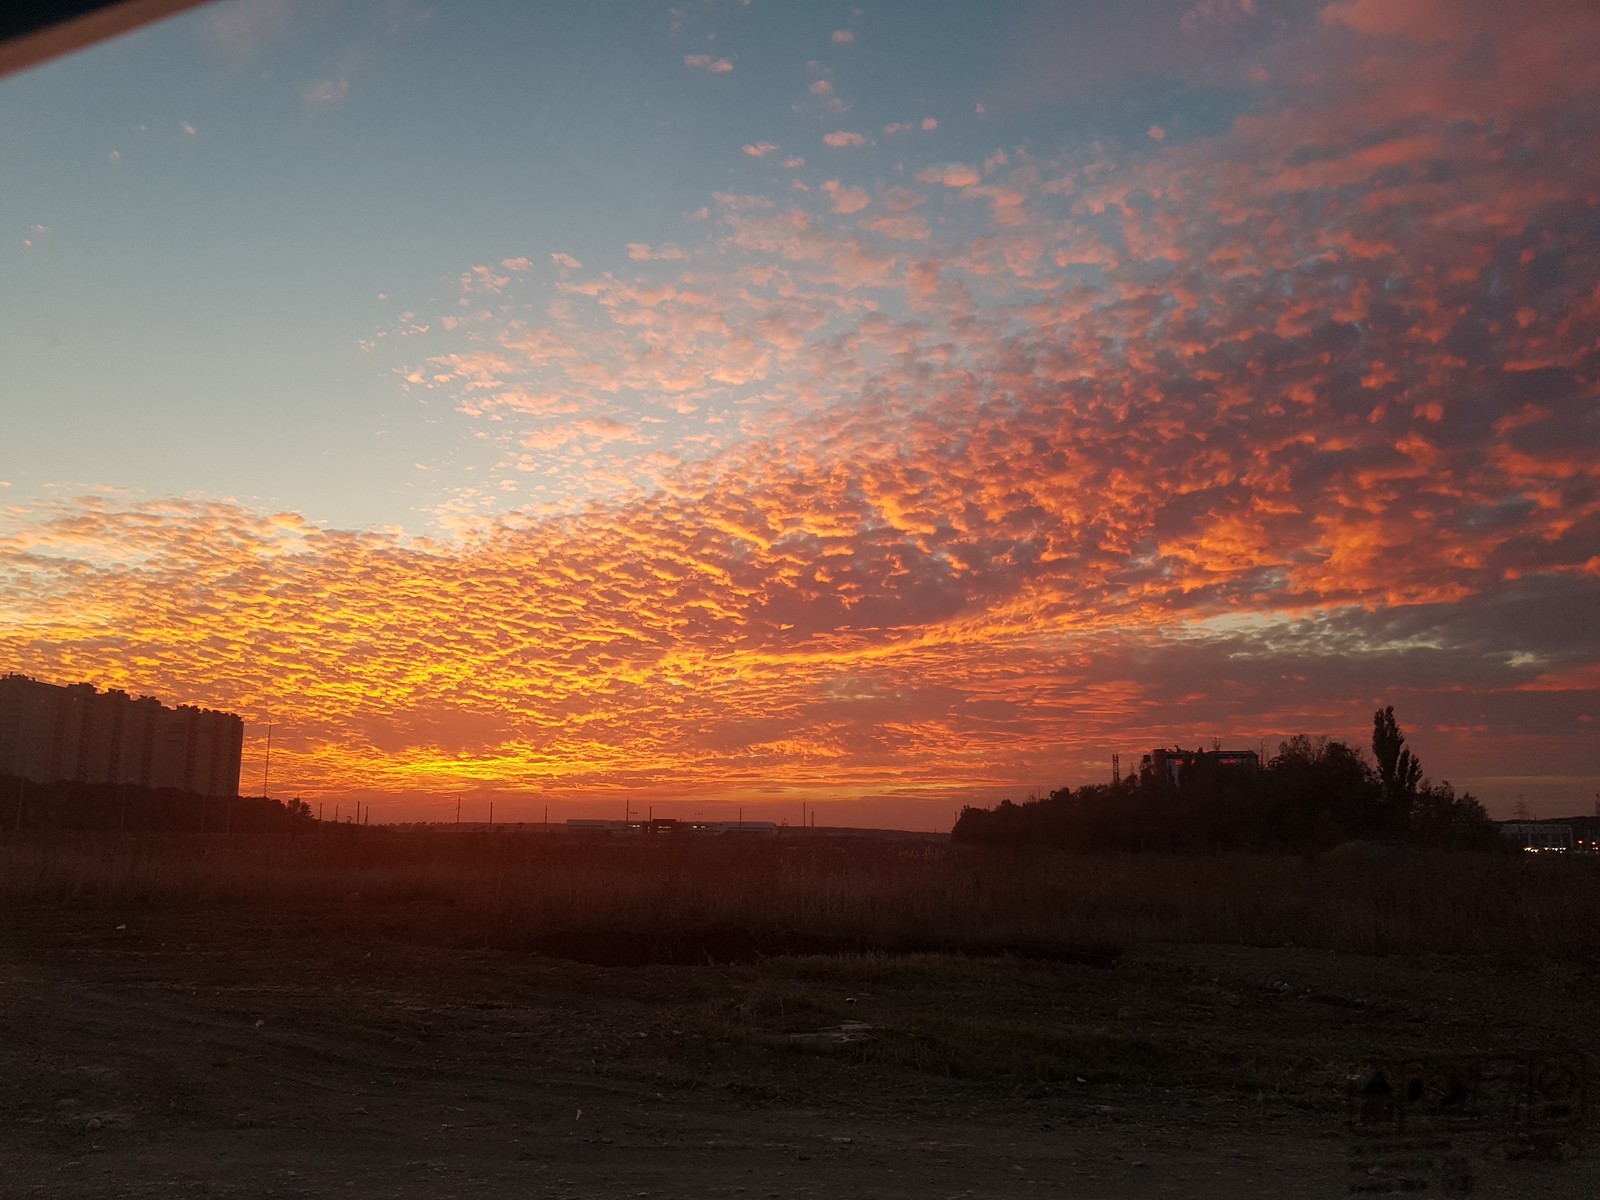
[508, 890]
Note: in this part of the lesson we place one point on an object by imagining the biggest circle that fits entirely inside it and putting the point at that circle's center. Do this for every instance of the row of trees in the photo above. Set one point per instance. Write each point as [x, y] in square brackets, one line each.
[1314, 794]
[29, 806]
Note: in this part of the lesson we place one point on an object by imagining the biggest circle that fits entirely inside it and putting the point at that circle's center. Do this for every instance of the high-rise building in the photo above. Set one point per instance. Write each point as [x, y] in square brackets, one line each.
[76, 733]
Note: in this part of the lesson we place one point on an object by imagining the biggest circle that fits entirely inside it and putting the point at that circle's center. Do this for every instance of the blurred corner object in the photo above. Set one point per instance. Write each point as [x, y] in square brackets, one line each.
[35, 31]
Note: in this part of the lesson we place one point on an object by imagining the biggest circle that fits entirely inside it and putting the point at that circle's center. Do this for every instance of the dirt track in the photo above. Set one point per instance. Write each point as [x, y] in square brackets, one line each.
[302, 1054]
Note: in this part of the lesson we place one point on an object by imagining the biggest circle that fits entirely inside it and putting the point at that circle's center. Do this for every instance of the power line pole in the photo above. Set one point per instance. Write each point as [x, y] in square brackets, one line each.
[266, 771]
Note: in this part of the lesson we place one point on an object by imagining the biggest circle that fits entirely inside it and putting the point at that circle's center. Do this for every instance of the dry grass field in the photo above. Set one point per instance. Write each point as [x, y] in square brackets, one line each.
[508, 891]
[364, 1012]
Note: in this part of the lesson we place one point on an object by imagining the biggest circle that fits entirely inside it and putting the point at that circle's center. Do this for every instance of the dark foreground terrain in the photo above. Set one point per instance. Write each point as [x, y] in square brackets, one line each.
[327, 1048]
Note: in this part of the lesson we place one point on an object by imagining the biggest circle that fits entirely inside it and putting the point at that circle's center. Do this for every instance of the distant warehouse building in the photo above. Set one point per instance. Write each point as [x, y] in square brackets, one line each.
[1177, 763]
[78, 734]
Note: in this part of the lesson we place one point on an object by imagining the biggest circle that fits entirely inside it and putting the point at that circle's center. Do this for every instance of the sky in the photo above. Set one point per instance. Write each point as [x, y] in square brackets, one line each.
[880, 407]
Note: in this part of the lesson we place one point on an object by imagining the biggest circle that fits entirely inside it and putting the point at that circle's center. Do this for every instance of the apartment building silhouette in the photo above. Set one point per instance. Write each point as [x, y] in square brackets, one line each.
[76, 733]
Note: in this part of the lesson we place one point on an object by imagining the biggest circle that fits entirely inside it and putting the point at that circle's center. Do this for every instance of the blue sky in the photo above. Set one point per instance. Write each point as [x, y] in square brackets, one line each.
[203, 216]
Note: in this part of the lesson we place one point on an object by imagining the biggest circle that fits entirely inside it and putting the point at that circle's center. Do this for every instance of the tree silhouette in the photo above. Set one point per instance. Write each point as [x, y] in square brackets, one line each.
[1399, 771]
[1314, 794]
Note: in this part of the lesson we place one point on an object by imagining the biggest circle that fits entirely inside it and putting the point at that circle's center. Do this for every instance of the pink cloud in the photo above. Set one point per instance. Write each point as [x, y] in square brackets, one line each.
[1418, 20]
[901, 226]
[1211, 15]
[760, 149]
[565, 260]
[666, 252]
[822, 89]
[929, 124]
[846, 199]
[953, 175]
[519, 263]
[479, 279]
[329, 92]
[843, 37]
[842, 138]
[594, 429]
[705, 62]
[794, 163]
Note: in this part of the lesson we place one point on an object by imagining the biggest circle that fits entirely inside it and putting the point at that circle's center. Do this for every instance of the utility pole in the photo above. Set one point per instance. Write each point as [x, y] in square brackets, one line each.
[458, 808]
[266, 771]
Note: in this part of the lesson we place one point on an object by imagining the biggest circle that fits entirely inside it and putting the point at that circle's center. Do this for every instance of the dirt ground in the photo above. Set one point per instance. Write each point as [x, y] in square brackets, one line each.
[299, 1053]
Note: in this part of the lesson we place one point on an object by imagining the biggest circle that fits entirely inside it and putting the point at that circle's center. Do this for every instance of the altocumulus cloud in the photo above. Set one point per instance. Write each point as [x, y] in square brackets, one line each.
[955, 474]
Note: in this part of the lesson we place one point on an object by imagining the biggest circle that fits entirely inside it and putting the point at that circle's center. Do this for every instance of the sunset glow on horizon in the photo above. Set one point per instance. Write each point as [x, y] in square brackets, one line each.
[886, 407]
